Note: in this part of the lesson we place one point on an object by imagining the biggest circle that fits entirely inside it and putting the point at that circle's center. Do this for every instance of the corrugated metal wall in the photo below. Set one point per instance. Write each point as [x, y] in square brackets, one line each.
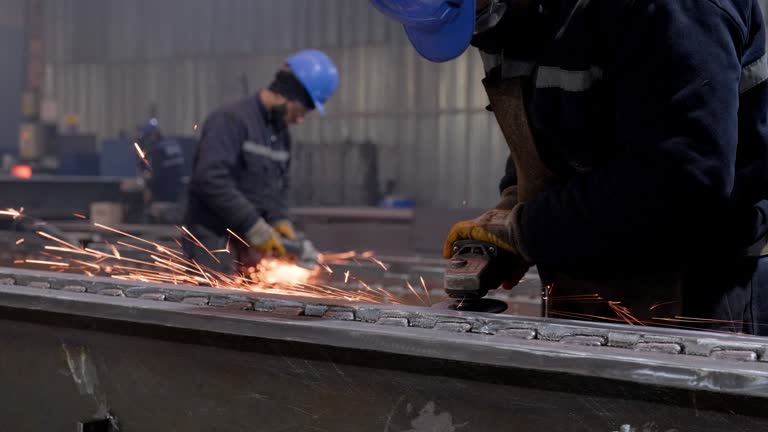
[11, 71]
[108, 60]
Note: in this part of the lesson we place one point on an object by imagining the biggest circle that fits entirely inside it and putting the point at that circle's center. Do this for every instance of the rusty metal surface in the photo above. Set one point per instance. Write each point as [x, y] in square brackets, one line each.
[161, 357]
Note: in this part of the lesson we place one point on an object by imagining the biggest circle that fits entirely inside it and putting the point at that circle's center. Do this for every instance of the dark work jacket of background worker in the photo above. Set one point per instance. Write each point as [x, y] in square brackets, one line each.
[652, 116]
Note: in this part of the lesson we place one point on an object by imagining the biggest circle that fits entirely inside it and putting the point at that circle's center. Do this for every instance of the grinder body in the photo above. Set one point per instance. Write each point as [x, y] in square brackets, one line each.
[475, 268]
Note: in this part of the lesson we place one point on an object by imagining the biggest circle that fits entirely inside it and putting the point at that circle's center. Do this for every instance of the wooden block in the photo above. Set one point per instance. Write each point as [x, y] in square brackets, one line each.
[107, 213]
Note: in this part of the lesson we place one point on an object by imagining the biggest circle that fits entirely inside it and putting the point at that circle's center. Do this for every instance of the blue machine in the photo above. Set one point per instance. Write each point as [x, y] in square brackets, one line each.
[118, 158]
[78, 164]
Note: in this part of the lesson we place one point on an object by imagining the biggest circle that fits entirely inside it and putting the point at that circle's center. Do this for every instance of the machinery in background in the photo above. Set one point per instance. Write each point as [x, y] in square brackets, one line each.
[335, 173]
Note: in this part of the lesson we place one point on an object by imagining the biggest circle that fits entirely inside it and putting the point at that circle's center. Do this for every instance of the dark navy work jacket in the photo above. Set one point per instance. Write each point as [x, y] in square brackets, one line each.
[240, 170]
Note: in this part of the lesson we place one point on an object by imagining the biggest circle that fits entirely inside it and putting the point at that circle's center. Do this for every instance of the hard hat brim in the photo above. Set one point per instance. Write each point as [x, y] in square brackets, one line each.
[319, 107]
[448, 42]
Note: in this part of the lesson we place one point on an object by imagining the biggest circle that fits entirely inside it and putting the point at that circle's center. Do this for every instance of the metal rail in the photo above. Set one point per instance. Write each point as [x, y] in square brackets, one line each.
[235, 360]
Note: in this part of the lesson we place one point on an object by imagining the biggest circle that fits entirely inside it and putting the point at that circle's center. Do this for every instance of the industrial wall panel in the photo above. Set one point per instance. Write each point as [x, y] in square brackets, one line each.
[124, 31]
[477, 98]
[11, 71]
[485, 167]
[407, 164]
[326, 24]
[426, 152]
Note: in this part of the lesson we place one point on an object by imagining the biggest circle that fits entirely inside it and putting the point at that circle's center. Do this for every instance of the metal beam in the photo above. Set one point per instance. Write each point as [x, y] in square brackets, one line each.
[239, 361]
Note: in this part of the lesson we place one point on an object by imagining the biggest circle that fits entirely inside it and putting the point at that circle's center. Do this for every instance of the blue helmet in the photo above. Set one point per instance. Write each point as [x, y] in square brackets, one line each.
[150, 126]
[440, 30]
[318, 74]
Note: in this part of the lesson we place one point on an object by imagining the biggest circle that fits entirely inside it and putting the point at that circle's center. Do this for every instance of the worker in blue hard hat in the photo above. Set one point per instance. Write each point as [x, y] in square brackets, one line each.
[240, 179]
[163, 171]
[639, 135]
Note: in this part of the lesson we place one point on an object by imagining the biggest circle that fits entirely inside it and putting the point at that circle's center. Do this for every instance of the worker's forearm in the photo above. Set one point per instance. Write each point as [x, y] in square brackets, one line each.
[622, 213]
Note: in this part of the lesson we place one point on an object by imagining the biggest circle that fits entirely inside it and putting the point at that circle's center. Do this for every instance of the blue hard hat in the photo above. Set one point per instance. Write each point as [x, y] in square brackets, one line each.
[150, 126]
[440, 30]
[318, 74]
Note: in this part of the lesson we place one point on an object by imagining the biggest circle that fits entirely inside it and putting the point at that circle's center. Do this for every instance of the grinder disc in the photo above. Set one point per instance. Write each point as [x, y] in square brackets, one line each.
[473, 305]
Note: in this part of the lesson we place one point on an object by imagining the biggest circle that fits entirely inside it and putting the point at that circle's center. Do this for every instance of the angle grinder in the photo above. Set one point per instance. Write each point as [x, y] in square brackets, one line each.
[303, 252]
[475, 268]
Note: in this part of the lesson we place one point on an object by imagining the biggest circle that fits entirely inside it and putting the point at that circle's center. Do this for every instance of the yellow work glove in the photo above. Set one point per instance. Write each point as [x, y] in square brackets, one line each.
[285, 229]
[498, 226]
[265, 240]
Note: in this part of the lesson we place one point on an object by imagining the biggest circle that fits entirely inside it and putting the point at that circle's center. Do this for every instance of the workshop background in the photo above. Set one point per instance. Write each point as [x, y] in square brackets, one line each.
[397, 121]
[109, 60]
[365, 337]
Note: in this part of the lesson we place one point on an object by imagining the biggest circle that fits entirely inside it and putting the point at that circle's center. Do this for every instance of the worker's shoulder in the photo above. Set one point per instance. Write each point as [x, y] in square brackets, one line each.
[232, 111]
[237, 106]
[739, 12]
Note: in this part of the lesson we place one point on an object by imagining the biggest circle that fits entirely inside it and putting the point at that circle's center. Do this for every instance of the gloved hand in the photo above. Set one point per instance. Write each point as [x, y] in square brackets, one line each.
[265, 240]
[285, 228]
[498, 226]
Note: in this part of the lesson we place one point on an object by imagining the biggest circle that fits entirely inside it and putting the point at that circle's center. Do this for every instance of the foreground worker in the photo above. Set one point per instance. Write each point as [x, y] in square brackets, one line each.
[241, 171]
[638, 130]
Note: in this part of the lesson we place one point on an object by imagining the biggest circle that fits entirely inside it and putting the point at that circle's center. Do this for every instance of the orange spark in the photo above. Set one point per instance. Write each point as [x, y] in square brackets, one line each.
[410, 287]
[141, 154]
[139, 150]
[115, 252]
[238, 237]
[381, 264]
[79, 216]
[424, 284]
[69, 250]
[200, 244]
[19, 241]
[657, 305]
[155, 245]
[624, 313]
[87, 264]
[11, 212]
[171, 266]
[57, 240]
[339, 256]
[50, 263]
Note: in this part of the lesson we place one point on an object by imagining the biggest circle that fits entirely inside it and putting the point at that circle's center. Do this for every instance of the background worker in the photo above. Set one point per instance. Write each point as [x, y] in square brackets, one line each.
[240, 178]
[638, 130]
[163, 172]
